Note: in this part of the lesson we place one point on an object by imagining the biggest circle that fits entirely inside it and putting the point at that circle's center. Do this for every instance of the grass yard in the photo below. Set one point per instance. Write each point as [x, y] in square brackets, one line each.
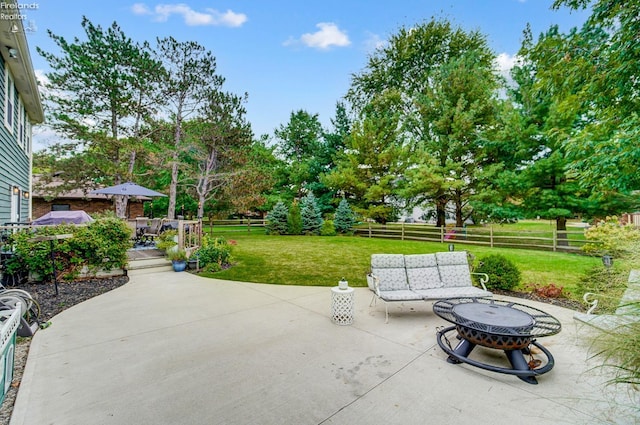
[322, 261]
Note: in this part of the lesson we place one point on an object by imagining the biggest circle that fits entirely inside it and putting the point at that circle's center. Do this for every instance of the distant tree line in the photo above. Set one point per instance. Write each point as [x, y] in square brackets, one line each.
[428, 122]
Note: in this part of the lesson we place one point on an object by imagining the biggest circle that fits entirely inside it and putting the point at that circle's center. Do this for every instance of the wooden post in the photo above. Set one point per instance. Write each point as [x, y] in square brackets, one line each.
[491, 236]
[180, 234]
[555, 240]
[402, 232]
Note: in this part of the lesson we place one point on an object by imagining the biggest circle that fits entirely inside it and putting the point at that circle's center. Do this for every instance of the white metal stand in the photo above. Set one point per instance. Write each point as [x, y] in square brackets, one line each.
[342, 305]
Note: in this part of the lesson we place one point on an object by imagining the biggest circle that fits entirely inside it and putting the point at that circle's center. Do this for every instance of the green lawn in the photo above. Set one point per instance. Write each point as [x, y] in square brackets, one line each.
[322, 261]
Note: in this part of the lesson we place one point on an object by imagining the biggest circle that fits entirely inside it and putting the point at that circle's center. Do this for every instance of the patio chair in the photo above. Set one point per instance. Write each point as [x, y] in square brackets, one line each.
[154, 229]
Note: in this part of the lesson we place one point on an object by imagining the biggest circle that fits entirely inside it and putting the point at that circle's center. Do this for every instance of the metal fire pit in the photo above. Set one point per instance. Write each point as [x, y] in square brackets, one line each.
[497, 324]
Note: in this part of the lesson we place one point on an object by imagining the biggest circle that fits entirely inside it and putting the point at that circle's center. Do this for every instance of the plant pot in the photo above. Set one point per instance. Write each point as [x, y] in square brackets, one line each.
[179, 266]
[193, 264]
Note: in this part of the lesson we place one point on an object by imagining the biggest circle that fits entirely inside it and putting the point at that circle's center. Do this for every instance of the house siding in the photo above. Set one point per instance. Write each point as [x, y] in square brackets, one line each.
[15, 161]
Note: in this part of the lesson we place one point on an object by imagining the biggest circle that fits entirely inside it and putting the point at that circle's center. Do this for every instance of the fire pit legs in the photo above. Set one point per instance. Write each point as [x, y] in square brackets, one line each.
[463, 349]
[519, 365]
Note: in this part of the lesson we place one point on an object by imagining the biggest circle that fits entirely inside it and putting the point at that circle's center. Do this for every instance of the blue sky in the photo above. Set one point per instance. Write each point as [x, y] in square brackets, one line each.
[289, 55]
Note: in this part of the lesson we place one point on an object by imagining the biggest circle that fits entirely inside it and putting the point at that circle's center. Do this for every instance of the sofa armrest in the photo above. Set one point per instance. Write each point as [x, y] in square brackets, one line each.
[484, 278]
[591, 303]
[373, 283]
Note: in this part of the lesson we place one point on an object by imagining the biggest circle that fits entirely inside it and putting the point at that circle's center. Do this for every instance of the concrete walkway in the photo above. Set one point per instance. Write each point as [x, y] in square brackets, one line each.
[174, 348]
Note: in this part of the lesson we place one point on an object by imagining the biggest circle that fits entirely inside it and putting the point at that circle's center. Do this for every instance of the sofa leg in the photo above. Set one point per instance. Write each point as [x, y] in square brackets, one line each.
[374, 300]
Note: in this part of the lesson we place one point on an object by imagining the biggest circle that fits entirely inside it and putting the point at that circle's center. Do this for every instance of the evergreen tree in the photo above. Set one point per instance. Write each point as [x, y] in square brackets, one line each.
[294, 220]
[311, 215]
[277, 220]
[344, 219]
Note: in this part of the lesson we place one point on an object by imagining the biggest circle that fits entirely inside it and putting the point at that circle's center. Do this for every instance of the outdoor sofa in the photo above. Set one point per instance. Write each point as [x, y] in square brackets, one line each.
[423, 277]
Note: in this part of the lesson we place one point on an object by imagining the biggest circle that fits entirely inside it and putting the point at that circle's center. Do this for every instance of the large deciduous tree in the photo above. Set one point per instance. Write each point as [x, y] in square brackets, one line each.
[219, 143]
[445, 79]
[603, 149]
[300, 143]
[98, 93]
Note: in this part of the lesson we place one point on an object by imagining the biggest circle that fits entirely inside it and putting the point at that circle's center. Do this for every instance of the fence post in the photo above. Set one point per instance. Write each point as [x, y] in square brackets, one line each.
[369, 229]
[555, 240]
[402, 232]
[441, 234]
[249, 225]
[491, 236]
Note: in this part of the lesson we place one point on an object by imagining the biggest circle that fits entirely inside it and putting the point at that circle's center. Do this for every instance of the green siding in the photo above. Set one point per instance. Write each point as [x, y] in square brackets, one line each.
[14, 162]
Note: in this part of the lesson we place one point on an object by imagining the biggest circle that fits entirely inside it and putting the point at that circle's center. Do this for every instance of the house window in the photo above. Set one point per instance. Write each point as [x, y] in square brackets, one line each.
[27, 135]
[21, 138]
[9, 99]
[60, 207]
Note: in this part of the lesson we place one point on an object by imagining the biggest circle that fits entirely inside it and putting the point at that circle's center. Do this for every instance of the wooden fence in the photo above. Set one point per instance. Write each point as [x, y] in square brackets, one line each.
[236, 225]
[493, 236]
[569, 240]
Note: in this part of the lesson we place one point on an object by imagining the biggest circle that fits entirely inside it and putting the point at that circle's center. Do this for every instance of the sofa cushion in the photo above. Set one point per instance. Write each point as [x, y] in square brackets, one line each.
[453, 292]
[399, 295]
[453, 276]
[454, 268]
[452, 258]
[422, 271]
[391, 279]
[386, 261]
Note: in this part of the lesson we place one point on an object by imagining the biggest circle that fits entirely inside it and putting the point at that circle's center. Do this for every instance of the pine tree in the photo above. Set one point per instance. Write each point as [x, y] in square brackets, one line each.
[277, 220]
[311, 215]
[344, 219]
[294, 220]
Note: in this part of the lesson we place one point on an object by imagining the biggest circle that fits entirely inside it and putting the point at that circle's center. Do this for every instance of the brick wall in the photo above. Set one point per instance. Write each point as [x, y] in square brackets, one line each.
[41, 207]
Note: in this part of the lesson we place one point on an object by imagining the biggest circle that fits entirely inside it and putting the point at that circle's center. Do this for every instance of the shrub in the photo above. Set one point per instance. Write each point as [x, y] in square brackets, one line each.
[102, 244]
[503, 273]
[311, 215]
[277, 220]
[328, 228]
[167, 240]
[294, 220]
[214, 251]
[611, 237]
[344, 219]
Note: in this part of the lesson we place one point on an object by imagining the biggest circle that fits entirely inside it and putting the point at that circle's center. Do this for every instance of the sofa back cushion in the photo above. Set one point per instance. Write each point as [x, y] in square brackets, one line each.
[422, 271]
[390, 271]
[454, 268]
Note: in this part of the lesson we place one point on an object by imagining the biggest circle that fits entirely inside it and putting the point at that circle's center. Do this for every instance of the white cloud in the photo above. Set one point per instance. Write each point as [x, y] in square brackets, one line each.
[374, 42]
[504, 63]
[328, 36]
[162, 12]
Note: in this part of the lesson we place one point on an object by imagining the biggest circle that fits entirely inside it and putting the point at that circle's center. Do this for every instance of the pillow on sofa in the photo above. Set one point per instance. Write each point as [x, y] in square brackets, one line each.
[454, 268]
[389, 269]
[422, 271]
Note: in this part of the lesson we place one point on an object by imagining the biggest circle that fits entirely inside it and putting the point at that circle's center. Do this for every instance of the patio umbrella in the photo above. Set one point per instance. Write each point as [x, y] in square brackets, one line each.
[128, 188]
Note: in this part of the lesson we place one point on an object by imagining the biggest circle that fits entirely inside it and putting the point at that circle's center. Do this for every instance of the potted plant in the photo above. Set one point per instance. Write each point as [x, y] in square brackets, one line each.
[179, 259]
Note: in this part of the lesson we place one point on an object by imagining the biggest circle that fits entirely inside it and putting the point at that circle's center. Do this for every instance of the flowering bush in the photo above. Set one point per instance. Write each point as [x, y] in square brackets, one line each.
[610, 237]
[214, 251]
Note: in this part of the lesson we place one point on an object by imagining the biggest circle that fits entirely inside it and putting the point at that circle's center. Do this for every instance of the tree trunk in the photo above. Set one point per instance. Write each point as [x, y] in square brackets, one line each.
[121, 205]
[459, 219]
[201, 200]
[173, 187]
[441, 204]
[561, 227]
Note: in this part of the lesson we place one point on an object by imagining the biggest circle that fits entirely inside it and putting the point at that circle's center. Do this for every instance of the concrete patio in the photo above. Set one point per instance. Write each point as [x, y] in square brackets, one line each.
[174, 348]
